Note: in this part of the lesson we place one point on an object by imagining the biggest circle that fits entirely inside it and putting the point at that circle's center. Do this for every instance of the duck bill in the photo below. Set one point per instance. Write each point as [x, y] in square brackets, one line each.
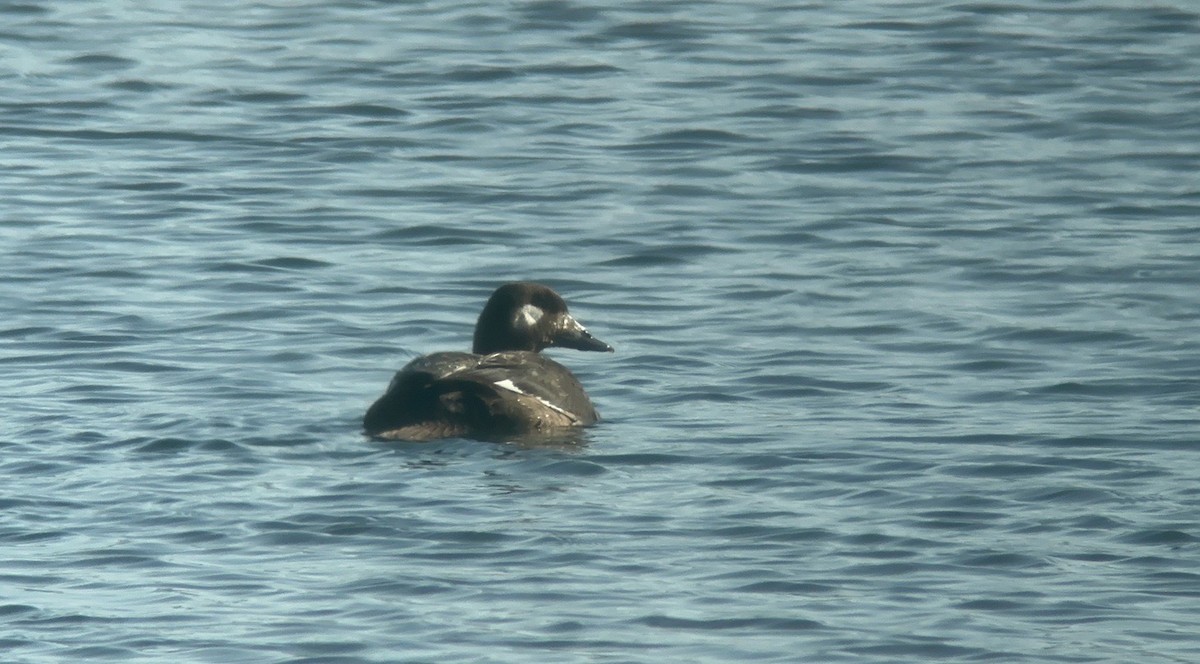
[570, 334]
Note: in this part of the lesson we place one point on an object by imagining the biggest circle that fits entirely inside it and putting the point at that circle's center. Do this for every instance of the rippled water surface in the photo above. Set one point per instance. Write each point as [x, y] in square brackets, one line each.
[905, 300]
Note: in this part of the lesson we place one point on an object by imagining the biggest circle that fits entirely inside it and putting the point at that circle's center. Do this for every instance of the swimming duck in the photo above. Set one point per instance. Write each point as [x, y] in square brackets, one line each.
[504, 386]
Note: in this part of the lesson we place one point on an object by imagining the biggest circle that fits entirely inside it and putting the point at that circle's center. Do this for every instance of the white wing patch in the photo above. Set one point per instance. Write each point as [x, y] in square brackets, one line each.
[528, 316]
[507, 384]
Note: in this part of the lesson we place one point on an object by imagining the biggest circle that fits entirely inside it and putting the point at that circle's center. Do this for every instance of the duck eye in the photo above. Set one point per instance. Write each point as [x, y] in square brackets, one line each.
[528, 316]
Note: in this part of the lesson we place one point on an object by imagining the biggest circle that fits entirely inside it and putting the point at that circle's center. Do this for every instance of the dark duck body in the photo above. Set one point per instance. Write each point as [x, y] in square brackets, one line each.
[504, 387]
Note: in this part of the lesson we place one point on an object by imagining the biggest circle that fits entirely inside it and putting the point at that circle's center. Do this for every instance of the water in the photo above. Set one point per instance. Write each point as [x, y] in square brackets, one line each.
[904, 297]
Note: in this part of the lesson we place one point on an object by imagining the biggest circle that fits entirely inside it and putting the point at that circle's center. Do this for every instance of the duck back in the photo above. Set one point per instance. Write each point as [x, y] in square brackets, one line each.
[463, 394]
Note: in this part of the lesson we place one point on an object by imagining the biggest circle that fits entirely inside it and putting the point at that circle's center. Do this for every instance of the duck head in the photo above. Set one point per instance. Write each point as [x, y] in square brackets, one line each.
[529, 316]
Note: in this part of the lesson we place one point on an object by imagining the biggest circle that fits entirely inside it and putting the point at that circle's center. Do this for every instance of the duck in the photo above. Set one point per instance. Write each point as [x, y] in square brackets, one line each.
[503, 387]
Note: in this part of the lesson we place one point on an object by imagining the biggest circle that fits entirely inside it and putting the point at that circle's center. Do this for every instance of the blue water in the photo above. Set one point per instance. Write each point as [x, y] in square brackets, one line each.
[905, 298]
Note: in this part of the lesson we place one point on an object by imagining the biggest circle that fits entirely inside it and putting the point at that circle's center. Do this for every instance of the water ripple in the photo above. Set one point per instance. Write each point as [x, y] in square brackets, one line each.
[901, 300]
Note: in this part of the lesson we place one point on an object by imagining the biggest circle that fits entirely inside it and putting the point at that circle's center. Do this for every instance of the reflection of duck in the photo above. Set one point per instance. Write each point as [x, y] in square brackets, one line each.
[503, 387]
